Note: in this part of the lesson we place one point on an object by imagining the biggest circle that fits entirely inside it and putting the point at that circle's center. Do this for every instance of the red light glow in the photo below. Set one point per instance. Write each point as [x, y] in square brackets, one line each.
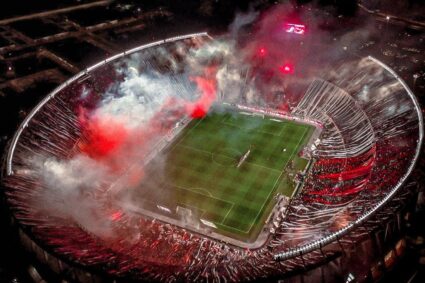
[262, 51]
[116, 216]
[286, 69]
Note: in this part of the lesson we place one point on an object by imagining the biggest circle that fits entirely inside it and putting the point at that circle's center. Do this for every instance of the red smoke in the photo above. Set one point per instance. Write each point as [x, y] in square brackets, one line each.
[109, 140]
[208, 86]
[104, 136]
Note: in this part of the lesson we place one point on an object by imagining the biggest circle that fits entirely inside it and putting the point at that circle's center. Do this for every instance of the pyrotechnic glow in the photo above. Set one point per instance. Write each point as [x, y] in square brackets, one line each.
[262, 51]
[294, 28]
[286, 68]
[116, 215]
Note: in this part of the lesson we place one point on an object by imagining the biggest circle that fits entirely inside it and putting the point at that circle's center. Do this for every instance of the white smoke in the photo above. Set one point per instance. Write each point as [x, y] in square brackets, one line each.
[70, 191]
[139, 99]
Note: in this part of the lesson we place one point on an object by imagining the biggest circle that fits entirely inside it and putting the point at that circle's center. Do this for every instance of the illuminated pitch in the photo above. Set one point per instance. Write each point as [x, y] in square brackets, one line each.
[224, 172]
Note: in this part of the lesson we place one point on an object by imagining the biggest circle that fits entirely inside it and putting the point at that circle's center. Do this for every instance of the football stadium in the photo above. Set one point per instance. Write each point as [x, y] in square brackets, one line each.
[187, 160]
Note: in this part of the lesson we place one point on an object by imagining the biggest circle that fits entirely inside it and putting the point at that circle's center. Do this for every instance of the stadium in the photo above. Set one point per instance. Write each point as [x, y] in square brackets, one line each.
[182, 160]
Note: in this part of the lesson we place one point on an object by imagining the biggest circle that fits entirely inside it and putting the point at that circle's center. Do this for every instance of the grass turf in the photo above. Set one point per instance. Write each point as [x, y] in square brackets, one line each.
[201, 170]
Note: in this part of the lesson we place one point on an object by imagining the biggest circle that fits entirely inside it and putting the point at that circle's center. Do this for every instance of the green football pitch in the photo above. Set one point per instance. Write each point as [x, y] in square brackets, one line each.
[201, 171]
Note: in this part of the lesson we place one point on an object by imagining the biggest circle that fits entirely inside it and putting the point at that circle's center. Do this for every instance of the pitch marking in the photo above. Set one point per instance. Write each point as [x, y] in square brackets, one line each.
[266, 200]
[224, 219]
